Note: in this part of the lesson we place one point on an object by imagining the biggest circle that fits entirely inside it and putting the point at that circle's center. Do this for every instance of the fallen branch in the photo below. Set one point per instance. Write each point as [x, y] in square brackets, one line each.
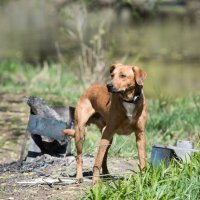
[51, 181]
[70, 180]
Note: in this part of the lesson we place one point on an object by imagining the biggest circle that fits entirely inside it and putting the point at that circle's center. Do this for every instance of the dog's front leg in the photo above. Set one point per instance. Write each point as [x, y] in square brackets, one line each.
[141, 146]
[105, 170]
[104, 144]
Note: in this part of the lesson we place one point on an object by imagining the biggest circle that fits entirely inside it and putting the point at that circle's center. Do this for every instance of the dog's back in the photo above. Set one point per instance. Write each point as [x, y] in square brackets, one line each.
[96, 99]
[92, 107]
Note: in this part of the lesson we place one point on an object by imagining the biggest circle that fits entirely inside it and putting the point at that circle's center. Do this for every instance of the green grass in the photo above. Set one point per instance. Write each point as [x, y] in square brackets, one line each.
[178, 181]
[54, 81]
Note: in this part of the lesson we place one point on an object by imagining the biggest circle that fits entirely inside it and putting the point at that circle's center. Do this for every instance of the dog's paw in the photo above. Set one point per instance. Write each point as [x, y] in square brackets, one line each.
[79, 180]
[95, 180]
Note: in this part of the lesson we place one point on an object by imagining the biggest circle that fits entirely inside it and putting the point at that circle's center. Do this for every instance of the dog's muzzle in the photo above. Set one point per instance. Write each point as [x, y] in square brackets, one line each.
[111, 88]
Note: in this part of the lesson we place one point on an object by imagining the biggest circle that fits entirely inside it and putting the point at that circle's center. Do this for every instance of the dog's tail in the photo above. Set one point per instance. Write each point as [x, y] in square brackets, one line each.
[69, 132]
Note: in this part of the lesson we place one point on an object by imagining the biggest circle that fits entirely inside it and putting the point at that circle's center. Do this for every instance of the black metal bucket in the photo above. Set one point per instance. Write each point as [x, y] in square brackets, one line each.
[163, 154]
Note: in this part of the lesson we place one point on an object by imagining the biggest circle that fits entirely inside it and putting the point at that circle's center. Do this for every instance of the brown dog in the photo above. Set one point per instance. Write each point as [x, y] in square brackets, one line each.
[118, 108]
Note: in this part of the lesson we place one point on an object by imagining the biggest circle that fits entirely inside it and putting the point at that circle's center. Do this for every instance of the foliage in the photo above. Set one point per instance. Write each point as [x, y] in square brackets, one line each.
[92, 57]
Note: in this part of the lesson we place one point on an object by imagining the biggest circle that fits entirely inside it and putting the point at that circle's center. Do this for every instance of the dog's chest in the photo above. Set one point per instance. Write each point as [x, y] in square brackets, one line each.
[129, 107]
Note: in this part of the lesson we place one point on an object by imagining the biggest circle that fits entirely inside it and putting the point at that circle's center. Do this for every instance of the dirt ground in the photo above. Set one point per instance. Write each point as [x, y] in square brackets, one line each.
[34, 180]
[46, 177]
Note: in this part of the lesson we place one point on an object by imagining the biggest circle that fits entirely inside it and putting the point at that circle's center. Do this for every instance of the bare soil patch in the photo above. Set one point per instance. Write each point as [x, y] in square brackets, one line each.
[25, 182]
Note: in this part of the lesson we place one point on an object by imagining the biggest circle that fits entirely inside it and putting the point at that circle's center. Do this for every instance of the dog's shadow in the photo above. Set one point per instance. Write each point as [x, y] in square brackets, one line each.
[89, 175]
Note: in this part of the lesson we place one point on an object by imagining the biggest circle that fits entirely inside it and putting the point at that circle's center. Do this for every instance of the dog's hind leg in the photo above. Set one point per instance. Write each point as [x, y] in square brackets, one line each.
[79, 138]
[83, 113]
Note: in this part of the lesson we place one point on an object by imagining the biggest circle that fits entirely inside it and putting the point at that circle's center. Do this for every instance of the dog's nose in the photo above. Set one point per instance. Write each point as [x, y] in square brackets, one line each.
[109, 86]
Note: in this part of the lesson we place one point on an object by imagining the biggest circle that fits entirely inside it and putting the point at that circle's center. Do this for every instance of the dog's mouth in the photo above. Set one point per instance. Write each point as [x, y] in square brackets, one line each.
[112, 89]
[136, 91]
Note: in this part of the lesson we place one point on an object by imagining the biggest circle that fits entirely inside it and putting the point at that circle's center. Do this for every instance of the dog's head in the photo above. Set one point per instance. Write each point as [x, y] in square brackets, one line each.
[125, 77]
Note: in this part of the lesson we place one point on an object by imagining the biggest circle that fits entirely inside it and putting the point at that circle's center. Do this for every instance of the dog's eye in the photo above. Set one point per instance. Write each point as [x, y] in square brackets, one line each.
[122, 76]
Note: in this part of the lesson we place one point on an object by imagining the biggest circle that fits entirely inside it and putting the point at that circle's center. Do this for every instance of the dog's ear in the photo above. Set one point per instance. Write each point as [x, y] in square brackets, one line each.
[112, 67]
[140, 75]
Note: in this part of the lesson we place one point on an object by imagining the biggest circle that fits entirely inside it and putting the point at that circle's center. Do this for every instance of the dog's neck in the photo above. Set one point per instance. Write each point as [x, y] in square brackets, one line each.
[134, 99]
[130, 100]
[132, 96]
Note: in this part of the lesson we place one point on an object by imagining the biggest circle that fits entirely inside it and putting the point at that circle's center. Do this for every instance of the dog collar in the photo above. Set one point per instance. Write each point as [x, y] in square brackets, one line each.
[135, 99]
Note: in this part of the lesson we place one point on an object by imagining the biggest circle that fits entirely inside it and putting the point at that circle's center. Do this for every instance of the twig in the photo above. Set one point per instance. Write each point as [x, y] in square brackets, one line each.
[23, 149]
[48, 181]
